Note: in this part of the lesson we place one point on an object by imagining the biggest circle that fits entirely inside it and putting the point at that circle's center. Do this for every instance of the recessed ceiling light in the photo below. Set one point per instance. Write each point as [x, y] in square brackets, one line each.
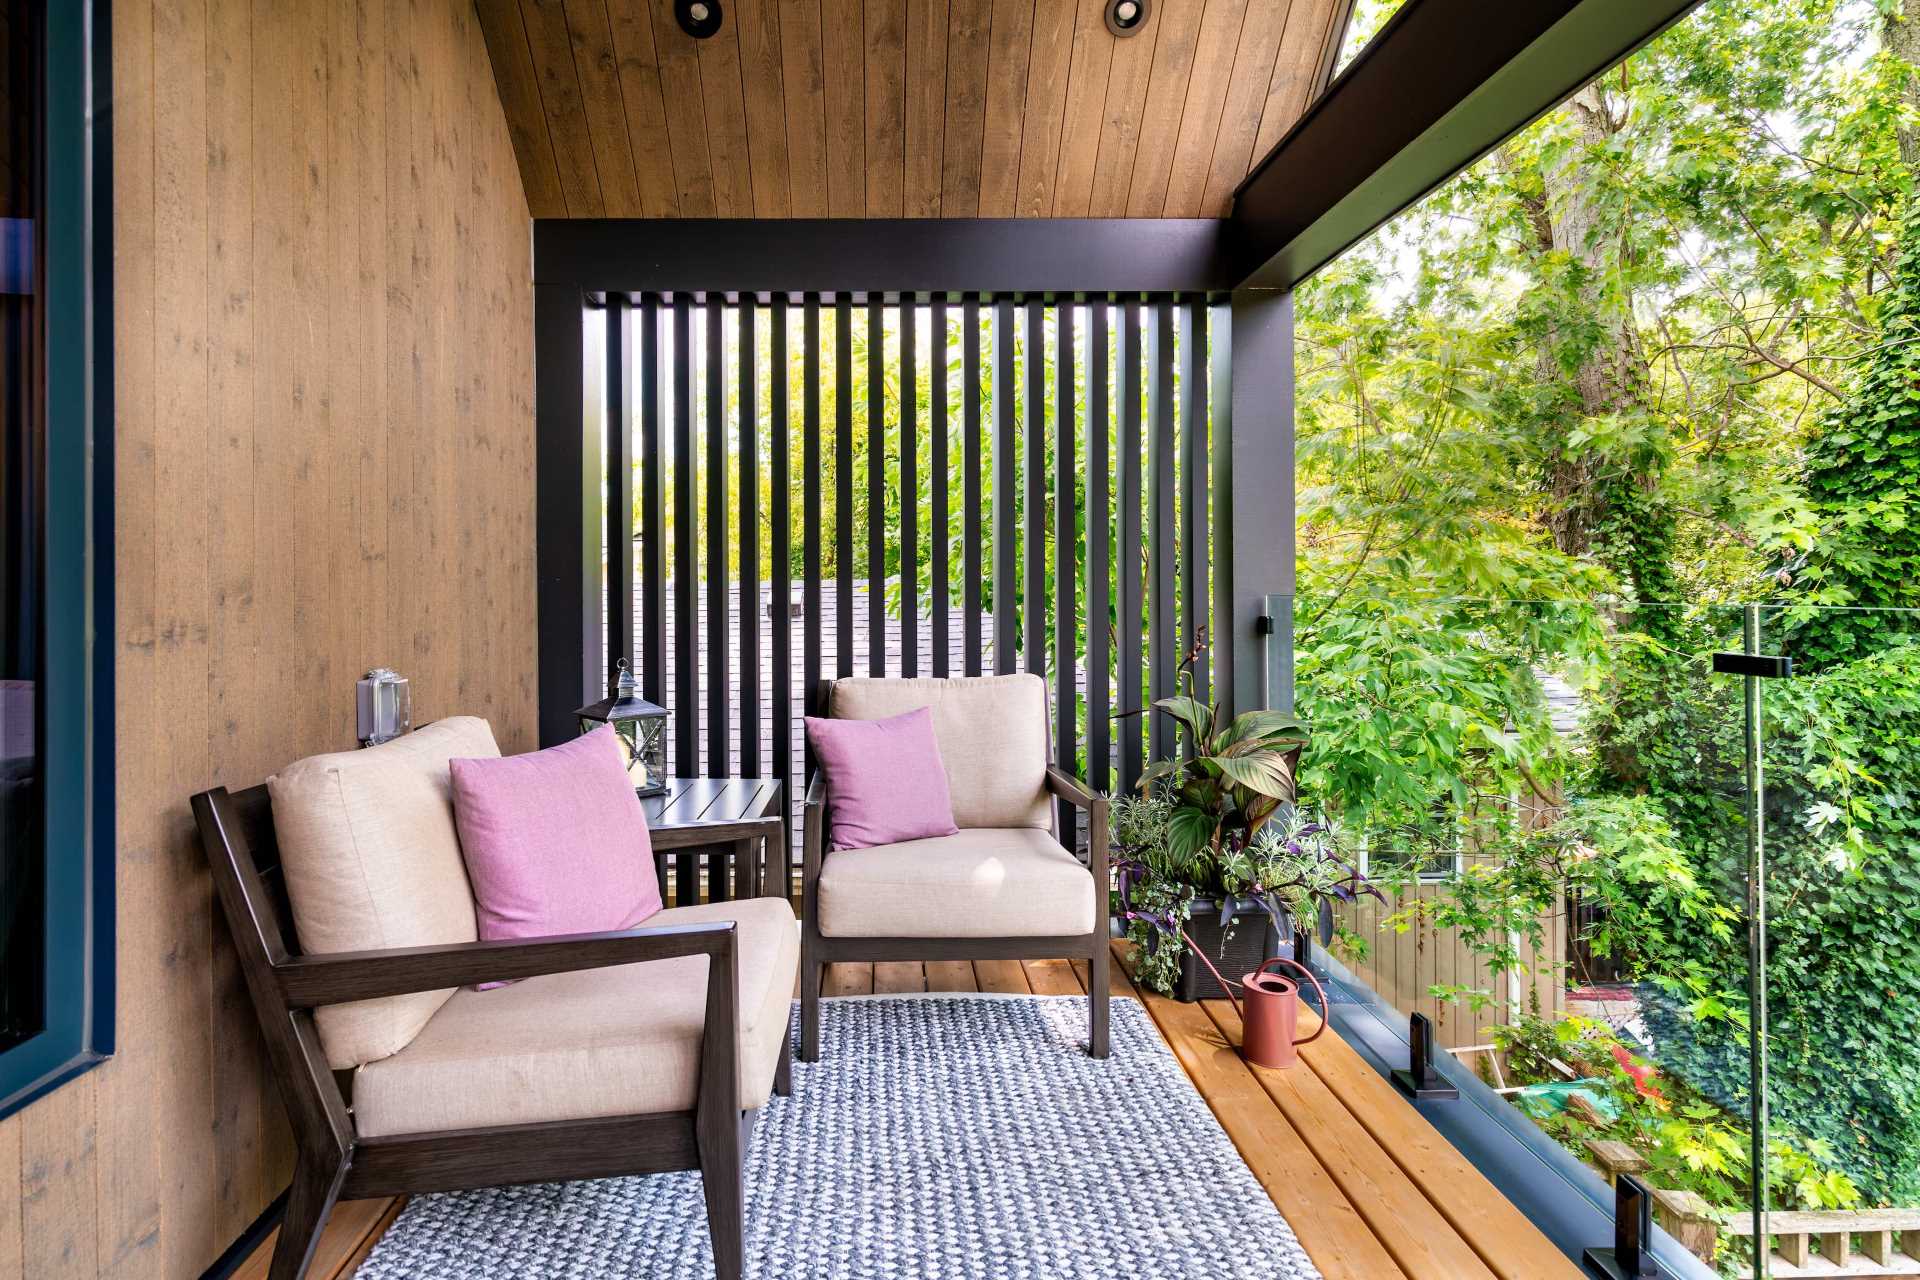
[1126, 17]
[701, 18]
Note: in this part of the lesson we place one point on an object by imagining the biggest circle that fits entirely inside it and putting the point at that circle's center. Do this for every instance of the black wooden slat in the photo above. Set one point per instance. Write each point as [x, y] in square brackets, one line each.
[1006, 597]
[1130, 698]
[843, 484]
[1161, 637]
[718, 673]
[1033, 639]
[810, 506]
[780, 549]
[749, 621]
[1220, 473]
[653, 515]
[1066, 708]
[940, 532]
[1099, 739]
[1193, 492]
[909, 492]
[971, 482]
[620, 433]
[686, 718]
[876, 487]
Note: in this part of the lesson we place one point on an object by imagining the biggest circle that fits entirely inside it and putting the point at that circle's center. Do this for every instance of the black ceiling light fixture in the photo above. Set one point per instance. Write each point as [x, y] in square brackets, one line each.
[1126, 17]
[701, 18]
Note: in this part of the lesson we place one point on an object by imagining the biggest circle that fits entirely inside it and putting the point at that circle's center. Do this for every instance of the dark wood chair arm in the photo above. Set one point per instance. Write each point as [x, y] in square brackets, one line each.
[814, 833]
[1072, 790]
[1097, 807]
[340, 977]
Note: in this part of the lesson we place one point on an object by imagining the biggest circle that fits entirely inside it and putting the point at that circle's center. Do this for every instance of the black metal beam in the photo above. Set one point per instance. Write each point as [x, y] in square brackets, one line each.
[567, 470]
[928, 256]
[1253, 502]
[1443, 83]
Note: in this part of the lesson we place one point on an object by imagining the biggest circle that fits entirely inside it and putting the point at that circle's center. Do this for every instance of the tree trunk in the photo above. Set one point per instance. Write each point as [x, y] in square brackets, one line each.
[1595, 508]
[1608, 380]
[1901, 30]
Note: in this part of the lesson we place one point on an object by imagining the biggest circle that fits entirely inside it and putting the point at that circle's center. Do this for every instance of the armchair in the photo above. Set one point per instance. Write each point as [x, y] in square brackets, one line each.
[488, 1090]
[1003, 888]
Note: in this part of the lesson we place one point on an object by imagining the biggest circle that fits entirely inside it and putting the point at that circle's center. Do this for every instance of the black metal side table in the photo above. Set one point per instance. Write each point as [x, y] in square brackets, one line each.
[737, 826]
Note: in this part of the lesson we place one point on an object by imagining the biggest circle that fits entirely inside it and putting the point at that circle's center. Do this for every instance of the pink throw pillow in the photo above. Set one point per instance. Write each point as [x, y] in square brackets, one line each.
[885, 780]
[555, 841]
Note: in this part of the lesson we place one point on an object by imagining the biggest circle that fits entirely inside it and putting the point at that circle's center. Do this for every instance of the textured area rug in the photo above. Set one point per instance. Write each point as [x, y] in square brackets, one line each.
[938, 1137]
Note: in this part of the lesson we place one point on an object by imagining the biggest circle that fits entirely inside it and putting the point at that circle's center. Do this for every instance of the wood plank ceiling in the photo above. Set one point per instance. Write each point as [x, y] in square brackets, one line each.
[901, 108]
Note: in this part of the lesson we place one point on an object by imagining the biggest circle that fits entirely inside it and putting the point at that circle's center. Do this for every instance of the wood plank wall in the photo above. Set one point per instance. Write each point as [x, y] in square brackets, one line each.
[324, 438]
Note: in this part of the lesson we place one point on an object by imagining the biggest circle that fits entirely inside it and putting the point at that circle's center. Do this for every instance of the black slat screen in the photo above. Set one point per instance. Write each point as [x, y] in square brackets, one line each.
[818, 485]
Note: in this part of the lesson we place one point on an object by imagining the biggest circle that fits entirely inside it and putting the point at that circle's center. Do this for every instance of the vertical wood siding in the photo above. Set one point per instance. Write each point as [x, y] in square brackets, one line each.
[324, 445]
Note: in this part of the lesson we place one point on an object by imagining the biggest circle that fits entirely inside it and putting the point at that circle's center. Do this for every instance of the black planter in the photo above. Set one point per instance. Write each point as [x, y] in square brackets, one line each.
[1253, 940]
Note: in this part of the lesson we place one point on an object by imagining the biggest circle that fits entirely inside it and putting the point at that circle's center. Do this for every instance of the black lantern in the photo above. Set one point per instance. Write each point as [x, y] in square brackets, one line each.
[641, 728]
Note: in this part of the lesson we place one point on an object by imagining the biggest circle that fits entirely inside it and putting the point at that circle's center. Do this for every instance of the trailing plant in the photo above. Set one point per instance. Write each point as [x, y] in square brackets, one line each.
[1292, 870]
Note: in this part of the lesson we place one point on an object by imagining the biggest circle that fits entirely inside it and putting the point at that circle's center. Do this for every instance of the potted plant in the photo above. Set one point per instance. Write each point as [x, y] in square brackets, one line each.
[1214, 849]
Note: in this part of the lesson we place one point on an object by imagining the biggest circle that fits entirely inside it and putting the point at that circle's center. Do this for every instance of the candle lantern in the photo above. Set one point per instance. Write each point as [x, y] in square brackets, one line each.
[641, 727]
[385, 706]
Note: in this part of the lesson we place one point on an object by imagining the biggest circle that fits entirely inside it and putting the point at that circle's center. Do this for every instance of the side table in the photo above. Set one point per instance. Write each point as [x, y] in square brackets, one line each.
[739, 827]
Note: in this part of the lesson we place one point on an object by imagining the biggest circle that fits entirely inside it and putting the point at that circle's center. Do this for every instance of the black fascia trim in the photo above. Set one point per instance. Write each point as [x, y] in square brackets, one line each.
[1442, 84]
[922, 257]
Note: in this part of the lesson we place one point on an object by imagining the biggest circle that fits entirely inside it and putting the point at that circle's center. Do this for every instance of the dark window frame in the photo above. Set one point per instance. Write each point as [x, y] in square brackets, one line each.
[76, 699]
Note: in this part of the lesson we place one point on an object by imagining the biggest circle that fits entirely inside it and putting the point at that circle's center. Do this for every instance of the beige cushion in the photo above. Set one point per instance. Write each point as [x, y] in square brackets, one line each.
[602, 1042]
[992, 732]
[1012, 882]
[372, 860]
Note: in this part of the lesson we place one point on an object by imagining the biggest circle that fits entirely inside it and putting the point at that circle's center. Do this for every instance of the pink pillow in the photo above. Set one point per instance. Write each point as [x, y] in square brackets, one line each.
[555, 841]
[885, 780]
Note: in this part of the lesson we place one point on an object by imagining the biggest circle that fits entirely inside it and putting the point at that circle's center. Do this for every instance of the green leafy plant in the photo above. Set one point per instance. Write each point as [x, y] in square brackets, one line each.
[1229, 777]
[1217, 824]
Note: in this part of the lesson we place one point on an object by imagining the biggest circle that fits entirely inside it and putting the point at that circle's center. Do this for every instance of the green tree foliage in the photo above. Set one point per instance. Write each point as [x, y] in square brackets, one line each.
[1658, 350]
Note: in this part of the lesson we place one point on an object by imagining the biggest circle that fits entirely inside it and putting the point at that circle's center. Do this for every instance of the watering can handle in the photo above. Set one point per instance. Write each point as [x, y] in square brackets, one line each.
[1225, 985]
[1317, 989]
[1228, 986]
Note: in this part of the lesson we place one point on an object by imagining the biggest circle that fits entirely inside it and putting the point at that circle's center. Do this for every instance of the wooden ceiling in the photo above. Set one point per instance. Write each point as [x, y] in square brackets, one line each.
[901, 108]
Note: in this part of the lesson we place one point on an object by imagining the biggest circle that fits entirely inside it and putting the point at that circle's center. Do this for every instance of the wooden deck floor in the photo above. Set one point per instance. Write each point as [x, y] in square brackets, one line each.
[1371, 1190]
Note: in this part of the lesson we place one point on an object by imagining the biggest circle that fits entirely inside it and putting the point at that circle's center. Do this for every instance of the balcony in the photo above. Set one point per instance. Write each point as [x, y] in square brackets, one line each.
[1418, 490]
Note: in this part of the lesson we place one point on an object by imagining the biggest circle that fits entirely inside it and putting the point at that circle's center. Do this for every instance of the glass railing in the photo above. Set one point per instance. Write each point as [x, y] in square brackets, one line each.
[1554, 806]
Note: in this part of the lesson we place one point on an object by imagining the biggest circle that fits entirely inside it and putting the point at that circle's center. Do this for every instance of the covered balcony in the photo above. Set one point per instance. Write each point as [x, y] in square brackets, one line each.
[1260, 637]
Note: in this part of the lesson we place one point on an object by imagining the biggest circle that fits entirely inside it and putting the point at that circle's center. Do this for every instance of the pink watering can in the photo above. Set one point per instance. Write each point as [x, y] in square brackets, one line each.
[1271, 1014]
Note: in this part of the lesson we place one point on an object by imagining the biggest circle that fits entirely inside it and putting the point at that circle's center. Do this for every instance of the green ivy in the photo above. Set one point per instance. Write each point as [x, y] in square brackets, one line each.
[1863, 482]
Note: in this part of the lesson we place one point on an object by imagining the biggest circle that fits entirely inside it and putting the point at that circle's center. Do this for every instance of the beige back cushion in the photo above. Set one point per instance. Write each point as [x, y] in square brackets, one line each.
[371, 859]
[992, 732]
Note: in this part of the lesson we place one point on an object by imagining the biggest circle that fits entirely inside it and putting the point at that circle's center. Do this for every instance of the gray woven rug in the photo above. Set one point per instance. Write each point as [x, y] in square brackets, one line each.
[938, 1137]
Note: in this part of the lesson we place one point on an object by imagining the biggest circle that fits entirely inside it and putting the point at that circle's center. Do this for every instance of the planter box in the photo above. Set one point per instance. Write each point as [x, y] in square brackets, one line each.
[1254, 940]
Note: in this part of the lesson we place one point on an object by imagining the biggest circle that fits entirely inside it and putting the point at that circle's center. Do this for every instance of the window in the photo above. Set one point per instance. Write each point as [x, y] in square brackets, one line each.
[56, 890]
[1434, 849]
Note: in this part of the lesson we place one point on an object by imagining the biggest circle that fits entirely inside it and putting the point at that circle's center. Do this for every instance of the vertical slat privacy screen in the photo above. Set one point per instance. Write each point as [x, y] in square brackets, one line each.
[824, 486]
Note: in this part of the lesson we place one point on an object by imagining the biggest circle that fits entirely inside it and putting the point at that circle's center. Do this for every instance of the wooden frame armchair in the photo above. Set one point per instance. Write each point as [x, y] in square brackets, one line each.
[821, 945]
[335, 1163]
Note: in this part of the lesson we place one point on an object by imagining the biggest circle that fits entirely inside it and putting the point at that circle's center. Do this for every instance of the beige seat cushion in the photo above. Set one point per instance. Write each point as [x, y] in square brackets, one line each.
[992, 732]
[372, 860]
[602, 1042]
[1013, 882]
